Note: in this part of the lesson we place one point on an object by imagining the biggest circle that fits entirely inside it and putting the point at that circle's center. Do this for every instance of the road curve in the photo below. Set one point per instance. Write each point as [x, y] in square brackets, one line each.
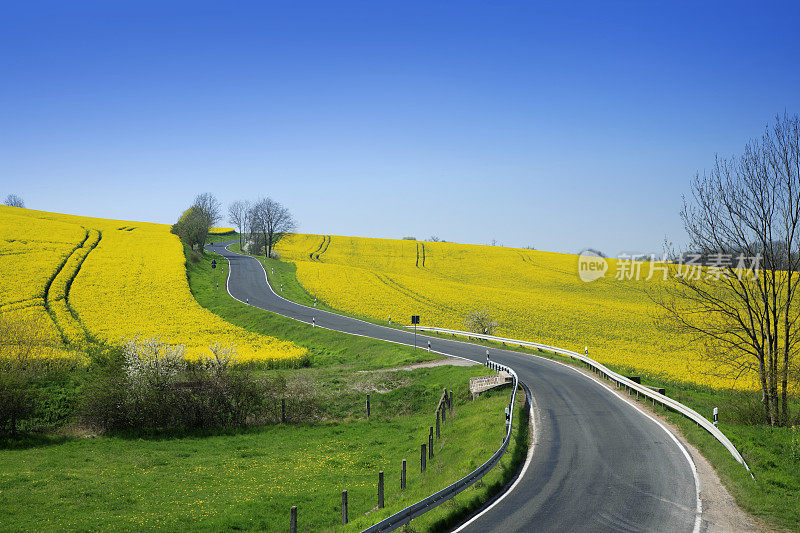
[599, 464]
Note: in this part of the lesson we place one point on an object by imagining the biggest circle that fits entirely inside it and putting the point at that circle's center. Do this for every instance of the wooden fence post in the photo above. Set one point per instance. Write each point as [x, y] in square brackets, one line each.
[344, 507]
[380, 489]
[403, 476]
[430, 444]
[293, 519]
[367, 405]
[450, 403]
[422, 457]
[437, 424]
[283, 410]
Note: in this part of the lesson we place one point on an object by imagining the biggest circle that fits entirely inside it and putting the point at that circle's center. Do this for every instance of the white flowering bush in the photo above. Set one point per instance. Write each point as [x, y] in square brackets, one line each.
[153, 387]
[152, 364]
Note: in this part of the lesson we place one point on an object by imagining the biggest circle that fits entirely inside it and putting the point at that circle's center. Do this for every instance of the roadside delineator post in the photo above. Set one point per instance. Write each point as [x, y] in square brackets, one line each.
[380, 489]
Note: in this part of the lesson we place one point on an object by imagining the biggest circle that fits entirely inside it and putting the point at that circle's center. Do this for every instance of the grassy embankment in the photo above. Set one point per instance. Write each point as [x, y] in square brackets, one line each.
[773, 454]
[249, 479]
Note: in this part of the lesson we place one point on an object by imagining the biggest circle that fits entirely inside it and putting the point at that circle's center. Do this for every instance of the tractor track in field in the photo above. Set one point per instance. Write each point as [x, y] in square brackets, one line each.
[85, 247]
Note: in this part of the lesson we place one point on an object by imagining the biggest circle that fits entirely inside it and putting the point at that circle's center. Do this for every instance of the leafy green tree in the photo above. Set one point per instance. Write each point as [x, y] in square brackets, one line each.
[191, 228]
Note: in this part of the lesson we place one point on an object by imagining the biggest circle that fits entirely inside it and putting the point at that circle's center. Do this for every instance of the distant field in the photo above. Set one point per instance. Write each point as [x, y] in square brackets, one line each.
[535, 295]
[221, 231]
[88, 280]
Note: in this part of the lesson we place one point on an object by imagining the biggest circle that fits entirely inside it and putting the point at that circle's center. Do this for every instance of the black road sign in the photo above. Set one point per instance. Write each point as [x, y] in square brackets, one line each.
[213, 263]
[415, 319]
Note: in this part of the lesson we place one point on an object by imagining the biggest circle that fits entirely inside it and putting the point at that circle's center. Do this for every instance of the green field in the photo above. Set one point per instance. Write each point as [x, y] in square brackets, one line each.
[250, 479]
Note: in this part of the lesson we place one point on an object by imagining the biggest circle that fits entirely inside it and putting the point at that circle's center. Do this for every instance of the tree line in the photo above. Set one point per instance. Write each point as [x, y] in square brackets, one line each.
[262, 222]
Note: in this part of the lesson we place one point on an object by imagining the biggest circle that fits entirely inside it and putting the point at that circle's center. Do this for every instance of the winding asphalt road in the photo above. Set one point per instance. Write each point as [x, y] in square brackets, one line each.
[598, 464]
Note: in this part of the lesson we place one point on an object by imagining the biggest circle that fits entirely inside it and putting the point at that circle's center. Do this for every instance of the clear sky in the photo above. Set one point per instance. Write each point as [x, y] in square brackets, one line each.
[556, 125]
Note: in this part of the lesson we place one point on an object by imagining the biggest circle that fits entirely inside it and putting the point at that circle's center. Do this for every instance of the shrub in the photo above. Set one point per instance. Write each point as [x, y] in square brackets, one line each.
[481, 321]
[151, 386]
[24, 356]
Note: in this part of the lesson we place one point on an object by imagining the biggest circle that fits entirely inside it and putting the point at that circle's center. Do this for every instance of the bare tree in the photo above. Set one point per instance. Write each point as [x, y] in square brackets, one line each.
[14, 200]
[745, 216]
[270, 219]
[237, 215]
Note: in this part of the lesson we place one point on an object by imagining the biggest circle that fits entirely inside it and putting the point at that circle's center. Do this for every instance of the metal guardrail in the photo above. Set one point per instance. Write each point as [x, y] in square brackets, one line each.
[423, 506]
[686, 411]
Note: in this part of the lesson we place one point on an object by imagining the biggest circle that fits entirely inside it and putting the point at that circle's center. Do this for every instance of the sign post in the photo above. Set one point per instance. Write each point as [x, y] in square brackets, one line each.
[415, 321]
[214, 271]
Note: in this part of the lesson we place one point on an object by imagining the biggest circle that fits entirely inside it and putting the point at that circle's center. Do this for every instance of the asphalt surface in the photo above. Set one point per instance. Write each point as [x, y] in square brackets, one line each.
[598, 464]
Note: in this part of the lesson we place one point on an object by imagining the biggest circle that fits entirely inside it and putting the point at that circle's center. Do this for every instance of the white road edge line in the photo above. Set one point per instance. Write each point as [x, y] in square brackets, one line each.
[534, 422]
[699, 508]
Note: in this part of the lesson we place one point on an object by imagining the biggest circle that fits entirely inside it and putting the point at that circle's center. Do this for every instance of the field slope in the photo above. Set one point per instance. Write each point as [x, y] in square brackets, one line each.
[535, 296]
[89, 280]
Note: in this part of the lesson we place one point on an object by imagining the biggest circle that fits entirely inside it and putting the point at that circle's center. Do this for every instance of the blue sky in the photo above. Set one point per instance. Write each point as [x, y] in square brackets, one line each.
[557, 125]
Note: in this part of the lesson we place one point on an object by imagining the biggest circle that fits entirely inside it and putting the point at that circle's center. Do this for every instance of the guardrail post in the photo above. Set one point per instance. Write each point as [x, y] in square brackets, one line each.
[430, 444]
[403, 476]
[422, 456]
[437, 424]
[367, 405]
[380, 489]
[293, 519]
[344, 507]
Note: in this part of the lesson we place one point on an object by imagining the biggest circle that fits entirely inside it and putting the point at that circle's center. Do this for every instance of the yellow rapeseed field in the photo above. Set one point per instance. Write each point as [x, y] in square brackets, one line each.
[111, 280]
[221, 231]
[535, 296]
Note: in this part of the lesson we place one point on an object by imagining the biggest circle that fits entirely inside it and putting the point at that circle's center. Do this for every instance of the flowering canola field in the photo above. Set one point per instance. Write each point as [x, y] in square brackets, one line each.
[535, 296]
[89, 279]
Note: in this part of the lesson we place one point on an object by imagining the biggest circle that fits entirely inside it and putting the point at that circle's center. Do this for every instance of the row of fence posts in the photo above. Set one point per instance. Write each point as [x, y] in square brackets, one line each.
[443, 410]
